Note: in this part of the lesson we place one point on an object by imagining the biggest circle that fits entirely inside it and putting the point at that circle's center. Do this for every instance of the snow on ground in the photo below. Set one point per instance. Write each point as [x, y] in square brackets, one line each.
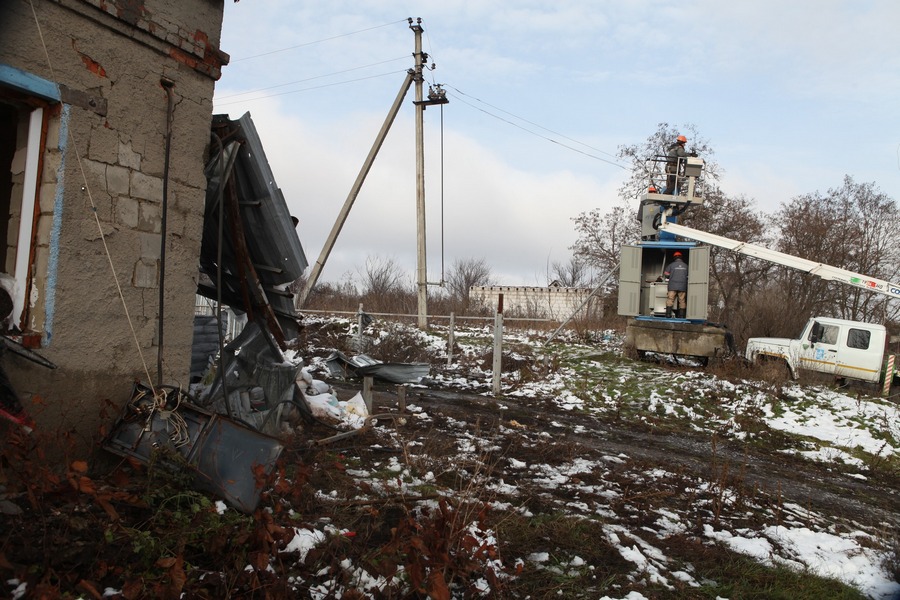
[839, 429]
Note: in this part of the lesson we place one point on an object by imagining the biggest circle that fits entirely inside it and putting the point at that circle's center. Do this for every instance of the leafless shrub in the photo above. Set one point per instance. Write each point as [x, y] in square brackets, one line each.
[341, 296]
[396, 342]
[774, 371]
[326, 336]
[463, 274]
[892, 560]
[731, 368]
[575, 272]
[381, 277]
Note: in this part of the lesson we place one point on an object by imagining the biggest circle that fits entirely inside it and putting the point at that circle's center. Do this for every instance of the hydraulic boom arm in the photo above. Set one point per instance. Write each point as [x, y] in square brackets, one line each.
[821, 270]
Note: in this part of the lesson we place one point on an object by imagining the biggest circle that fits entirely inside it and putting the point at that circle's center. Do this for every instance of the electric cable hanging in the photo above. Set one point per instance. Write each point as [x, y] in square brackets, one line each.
[317, 87]
[533, 123]
[269, 53]
[434, 83]
[557, 142]
[272, 87]
[430, 51]
[442, 195]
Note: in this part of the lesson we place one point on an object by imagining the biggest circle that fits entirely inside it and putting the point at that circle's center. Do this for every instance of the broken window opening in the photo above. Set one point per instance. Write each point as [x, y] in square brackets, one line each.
[24, 120]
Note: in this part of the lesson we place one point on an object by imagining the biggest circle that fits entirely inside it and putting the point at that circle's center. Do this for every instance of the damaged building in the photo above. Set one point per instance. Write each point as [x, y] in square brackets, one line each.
[105, 111]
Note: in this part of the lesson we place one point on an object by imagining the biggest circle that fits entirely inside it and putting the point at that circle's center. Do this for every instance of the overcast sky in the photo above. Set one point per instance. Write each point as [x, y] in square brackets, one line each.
[792, 95]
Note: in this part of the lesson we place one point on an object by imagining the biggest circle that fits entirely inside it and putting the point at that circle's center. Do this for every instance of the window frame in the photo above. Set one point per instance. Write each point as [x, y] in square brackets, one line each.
[35, 99]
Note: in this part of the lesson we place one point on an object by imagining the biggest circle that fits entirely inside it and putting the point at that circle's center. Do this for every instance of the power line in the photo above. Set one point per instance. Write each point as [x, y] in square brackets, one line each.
[525, 129]
[530, 122]
[334, 37]
[430, 50]
[316, 87]
[272, 87]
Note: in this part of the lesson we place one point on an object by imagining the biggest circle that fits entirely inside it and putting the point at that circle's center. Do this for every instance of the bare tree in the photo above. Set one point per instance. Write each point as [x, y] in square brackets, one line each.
[463, 274]
[736, 280]
[384, 284]
[657, 145]
[854, 227]
[601, 235]
[572, 273]
[871, 249]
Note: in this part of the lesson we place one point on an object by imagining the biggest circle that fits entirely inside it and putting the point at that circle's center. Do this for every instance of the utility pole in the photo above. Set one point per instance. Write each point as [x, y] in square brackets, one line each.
[435, 96]
[422, 265]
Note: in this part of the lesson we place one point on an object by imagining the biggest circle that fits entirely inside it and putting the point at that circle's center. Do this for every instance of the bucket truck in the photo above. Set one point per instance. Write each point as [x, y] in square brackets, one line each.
[847, 349]
[642, 281]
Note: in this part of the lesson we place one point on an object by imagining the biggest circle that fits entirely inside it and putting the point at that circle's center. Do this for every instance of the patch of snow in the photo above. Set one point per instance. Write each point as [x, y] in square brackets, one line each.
[303, 541]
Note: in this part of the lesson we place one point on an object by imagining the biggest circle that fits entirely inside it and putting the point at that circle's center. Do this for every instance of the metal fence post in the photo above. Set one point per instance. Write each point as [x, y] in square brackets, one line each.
[359, 328]
[401, 398]
[368, 383]
[498, 345]
[451, 339]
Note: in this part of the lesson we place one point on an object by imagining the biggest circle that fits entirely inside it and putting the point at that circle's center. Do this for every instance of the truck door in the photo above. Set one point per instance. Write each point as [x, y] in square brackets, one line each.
[630, 281]
[819, 347]
[698, 283]
[860, 354]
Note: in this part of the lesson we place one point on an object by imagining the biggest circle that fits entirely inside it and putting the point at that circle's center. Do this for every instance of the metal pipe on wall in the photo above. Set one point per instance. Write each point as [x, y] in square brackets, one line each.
[170, 111]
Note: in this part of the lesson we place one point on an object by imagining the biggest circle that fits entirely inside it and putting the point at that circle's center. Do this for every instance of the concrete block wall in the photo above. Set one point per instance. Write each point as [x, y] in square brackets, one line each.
[101, 189]
[529, 301]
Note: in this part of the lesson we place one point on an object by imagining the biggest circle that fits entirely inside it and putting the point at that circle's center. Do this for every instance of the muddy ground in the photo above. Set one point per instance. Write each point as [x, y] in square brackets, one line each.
[874, 500]
[448, 498]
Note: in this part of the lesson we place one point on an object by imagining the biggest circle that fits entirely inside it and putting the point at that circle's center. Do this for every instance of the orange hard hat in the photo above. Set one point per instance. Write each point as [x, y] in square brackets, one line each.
[677, 254]
[652, 189]
[681, 139]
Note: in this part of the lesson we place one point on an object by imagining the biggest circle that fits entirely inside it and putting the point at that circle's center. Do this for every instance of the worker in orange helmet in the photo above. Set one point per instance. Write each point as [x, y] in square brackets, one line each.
[677, 272]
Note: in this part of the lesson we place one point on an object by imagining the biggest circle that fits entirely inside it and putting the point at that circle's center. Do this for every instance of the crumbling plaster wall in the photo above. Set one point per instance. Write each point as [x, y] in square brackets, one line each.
[117, 52]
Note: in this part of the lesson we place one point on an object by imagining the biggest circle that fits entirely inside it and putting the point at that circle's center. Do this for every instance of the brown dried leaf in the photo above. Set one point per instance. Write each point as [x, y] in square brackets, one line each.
[86, 485]
[132, 590]
[177, 577]
[110, 510]
[90, 589]
[437, 587]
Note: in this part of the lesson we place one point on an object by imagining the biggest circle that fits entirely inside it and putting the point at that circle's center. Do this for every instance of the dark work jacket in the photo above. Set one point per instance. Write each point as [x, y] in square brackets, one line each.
[676, 151]
[678, 275]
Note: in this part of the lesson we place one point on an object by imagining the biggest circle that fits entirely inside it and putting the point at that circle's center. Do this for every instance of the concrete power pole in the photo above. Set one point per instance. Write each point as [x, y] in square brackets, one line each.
[435, 96]
[422, 265]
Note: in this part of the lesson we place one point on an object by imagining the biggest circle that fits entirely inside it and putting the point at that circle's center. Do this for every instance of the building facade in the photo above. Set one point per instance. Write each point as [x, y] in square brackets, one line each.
[105, 111]
[552, 302]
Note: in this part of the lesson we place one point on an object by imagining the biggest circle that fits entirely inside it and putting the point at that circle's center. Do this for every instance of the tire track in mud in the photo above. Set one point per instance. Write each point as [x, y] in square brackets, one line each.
[781, 476]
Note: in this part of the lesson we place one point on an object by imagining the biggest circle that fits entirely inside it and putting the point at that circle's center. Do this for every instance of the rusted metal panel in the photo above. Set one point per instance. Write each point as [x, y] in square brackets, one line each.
[225, 457]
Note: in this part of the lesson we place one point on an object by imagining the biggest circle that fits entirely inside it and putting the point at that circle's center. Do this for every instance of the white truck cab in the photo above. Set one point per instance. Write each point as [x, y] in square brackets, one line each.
[846, 349]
